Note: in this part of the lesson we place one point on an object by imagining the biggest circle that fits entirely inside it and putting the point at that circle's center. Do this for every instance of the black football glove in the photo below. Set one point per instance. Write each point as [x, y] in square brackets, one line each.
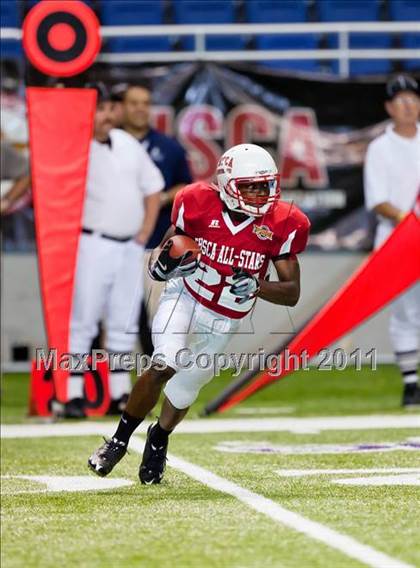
[245, 287]
[165, 267]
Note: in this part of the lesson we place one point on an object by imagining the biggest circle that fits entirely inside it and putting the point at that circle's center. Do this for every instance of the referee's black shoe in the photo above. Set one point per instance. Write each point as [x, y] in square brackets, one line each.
[411, 396]
[153, 464]
[73, 409]
[107, 456]
[117, 405]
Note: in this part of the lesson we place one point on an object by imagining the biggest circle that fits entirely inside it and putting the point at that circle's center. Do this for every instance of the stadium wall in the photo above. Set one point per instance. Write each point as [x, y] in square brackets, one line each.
[322, 275]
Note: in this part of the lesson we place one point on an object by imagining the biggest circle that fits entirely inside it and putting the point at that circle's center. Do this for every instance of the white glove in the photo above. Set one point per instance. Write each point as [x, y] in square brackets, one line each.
[246, 286]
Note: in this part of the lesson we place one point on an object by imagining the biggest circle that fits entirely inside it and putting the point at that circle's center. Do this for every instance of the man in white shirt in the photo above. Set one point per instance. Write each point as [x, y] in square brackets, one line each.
[120, 211]
[392, 183]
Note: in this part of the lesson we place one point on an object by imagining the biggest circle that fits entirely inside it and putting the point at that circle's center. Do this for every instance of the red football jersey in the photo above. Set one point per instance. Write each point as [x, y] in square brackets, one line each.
[250, 244]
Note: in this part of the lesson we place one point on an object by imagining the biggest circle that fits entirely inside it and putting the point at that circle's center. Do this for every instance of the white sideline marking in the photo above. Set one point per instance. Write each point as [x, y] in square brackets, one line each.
[58, 483]
[380, 480]
[250, 410]
[345, 544]
[224, 425]
[304, 472]
[57, 430]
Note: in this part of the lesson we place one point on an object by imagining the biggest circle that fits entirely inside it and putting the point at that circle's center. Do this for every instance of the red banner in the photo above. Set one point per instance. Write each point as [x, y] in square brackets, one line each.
[96, 387]
[390, 270]
[60, 124]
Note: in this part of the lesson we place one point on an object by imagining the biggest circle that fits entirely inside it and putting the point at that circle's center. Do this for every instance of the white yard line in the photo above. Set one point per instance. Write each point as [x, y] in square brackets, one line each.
[224, 425]
[70, 483]
[333, 539]
[330, 537]
[304, 472]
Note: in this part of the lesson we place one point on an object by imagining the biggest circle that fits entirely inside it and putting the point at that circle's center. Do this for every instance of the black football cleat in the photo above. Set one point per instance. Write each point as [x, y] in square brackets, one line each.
[411, 396]
[153, 464]
[107, 456]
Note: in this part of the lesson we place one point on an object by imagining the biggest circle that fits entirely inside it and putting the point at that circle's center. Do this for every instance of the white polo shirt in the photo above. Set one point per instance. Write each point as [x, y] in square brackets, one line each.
[120, 176]
[392, 173]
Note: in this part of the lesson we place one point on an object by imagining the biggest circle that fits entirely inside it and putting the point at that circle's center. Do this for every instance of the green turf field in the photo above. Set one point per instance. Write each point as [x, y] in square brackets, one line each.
[227, 496]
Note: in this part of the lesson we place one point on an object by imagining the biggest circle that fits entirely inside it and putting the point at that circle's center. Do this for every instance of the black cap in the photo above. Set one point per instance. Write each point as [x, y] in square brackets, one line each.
[401, 83]
[103, 93]
[118, 91]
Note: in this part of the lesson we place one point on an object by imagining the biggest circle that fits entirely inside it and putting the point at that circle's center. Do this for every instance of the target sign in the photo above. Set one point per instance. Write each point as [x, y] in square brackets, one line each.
[61, 38]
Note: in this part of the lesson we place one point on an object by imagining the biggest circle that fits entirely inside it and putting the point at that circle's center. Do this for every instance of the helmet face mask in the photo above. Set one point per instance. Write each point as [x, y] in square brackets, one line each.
[248, 180]
[255, 196]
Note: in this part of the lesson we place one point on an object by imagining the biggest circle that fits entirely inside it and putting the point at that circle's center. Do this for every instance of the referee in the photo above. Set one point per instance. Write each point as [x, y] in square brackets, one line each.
[120, 211]
[392, 183]
[166, 152]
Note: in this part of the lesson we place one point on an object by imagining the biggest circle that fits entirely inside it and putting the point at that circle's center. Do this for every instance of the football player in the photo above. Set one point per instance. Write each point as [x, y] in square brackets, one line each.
[240, 226]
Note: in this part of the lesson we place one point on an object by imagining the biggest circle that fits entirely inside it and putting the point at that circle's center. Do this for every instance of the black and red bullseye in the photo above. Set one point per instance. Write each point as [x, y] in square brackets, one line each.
[61, 38]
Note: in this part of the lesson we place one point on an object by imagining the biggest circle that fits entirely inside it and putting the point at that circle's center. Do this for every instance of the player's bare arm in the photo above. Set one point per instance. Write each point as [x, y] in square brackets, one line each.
[169, 233]
[286, 291]
[172, 231]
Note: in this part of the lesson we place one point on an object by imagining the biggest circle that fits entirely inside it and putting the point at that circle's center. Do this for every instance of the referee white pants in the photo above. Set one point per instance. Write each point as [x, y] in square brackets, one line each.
[404, 324]
[109, 287]
[188, 337]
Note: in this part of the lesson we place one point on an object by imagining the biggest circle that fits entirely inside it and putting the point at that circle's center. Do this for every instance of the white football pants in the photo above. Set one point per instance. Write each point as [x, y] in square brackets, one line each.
[187, 337]
[109, 287]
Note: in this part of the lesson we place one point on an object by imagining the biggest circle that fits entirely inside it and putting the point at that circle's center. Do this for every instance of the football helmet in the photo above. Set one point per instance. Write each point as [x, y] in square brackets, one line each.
[248, 180]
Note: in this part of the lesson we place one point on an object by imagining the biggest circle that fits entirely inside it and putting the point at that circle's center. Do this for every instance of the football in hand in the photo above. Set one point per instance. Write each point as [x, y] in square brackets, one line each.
[182, 244]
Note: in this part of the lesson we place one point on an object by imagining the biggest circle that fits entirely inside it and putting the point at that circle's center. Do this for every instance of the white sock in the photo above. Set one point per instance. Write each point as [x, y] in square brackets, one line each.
[75, 386]
[119, 384]
[410, 378]
[408, 362]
